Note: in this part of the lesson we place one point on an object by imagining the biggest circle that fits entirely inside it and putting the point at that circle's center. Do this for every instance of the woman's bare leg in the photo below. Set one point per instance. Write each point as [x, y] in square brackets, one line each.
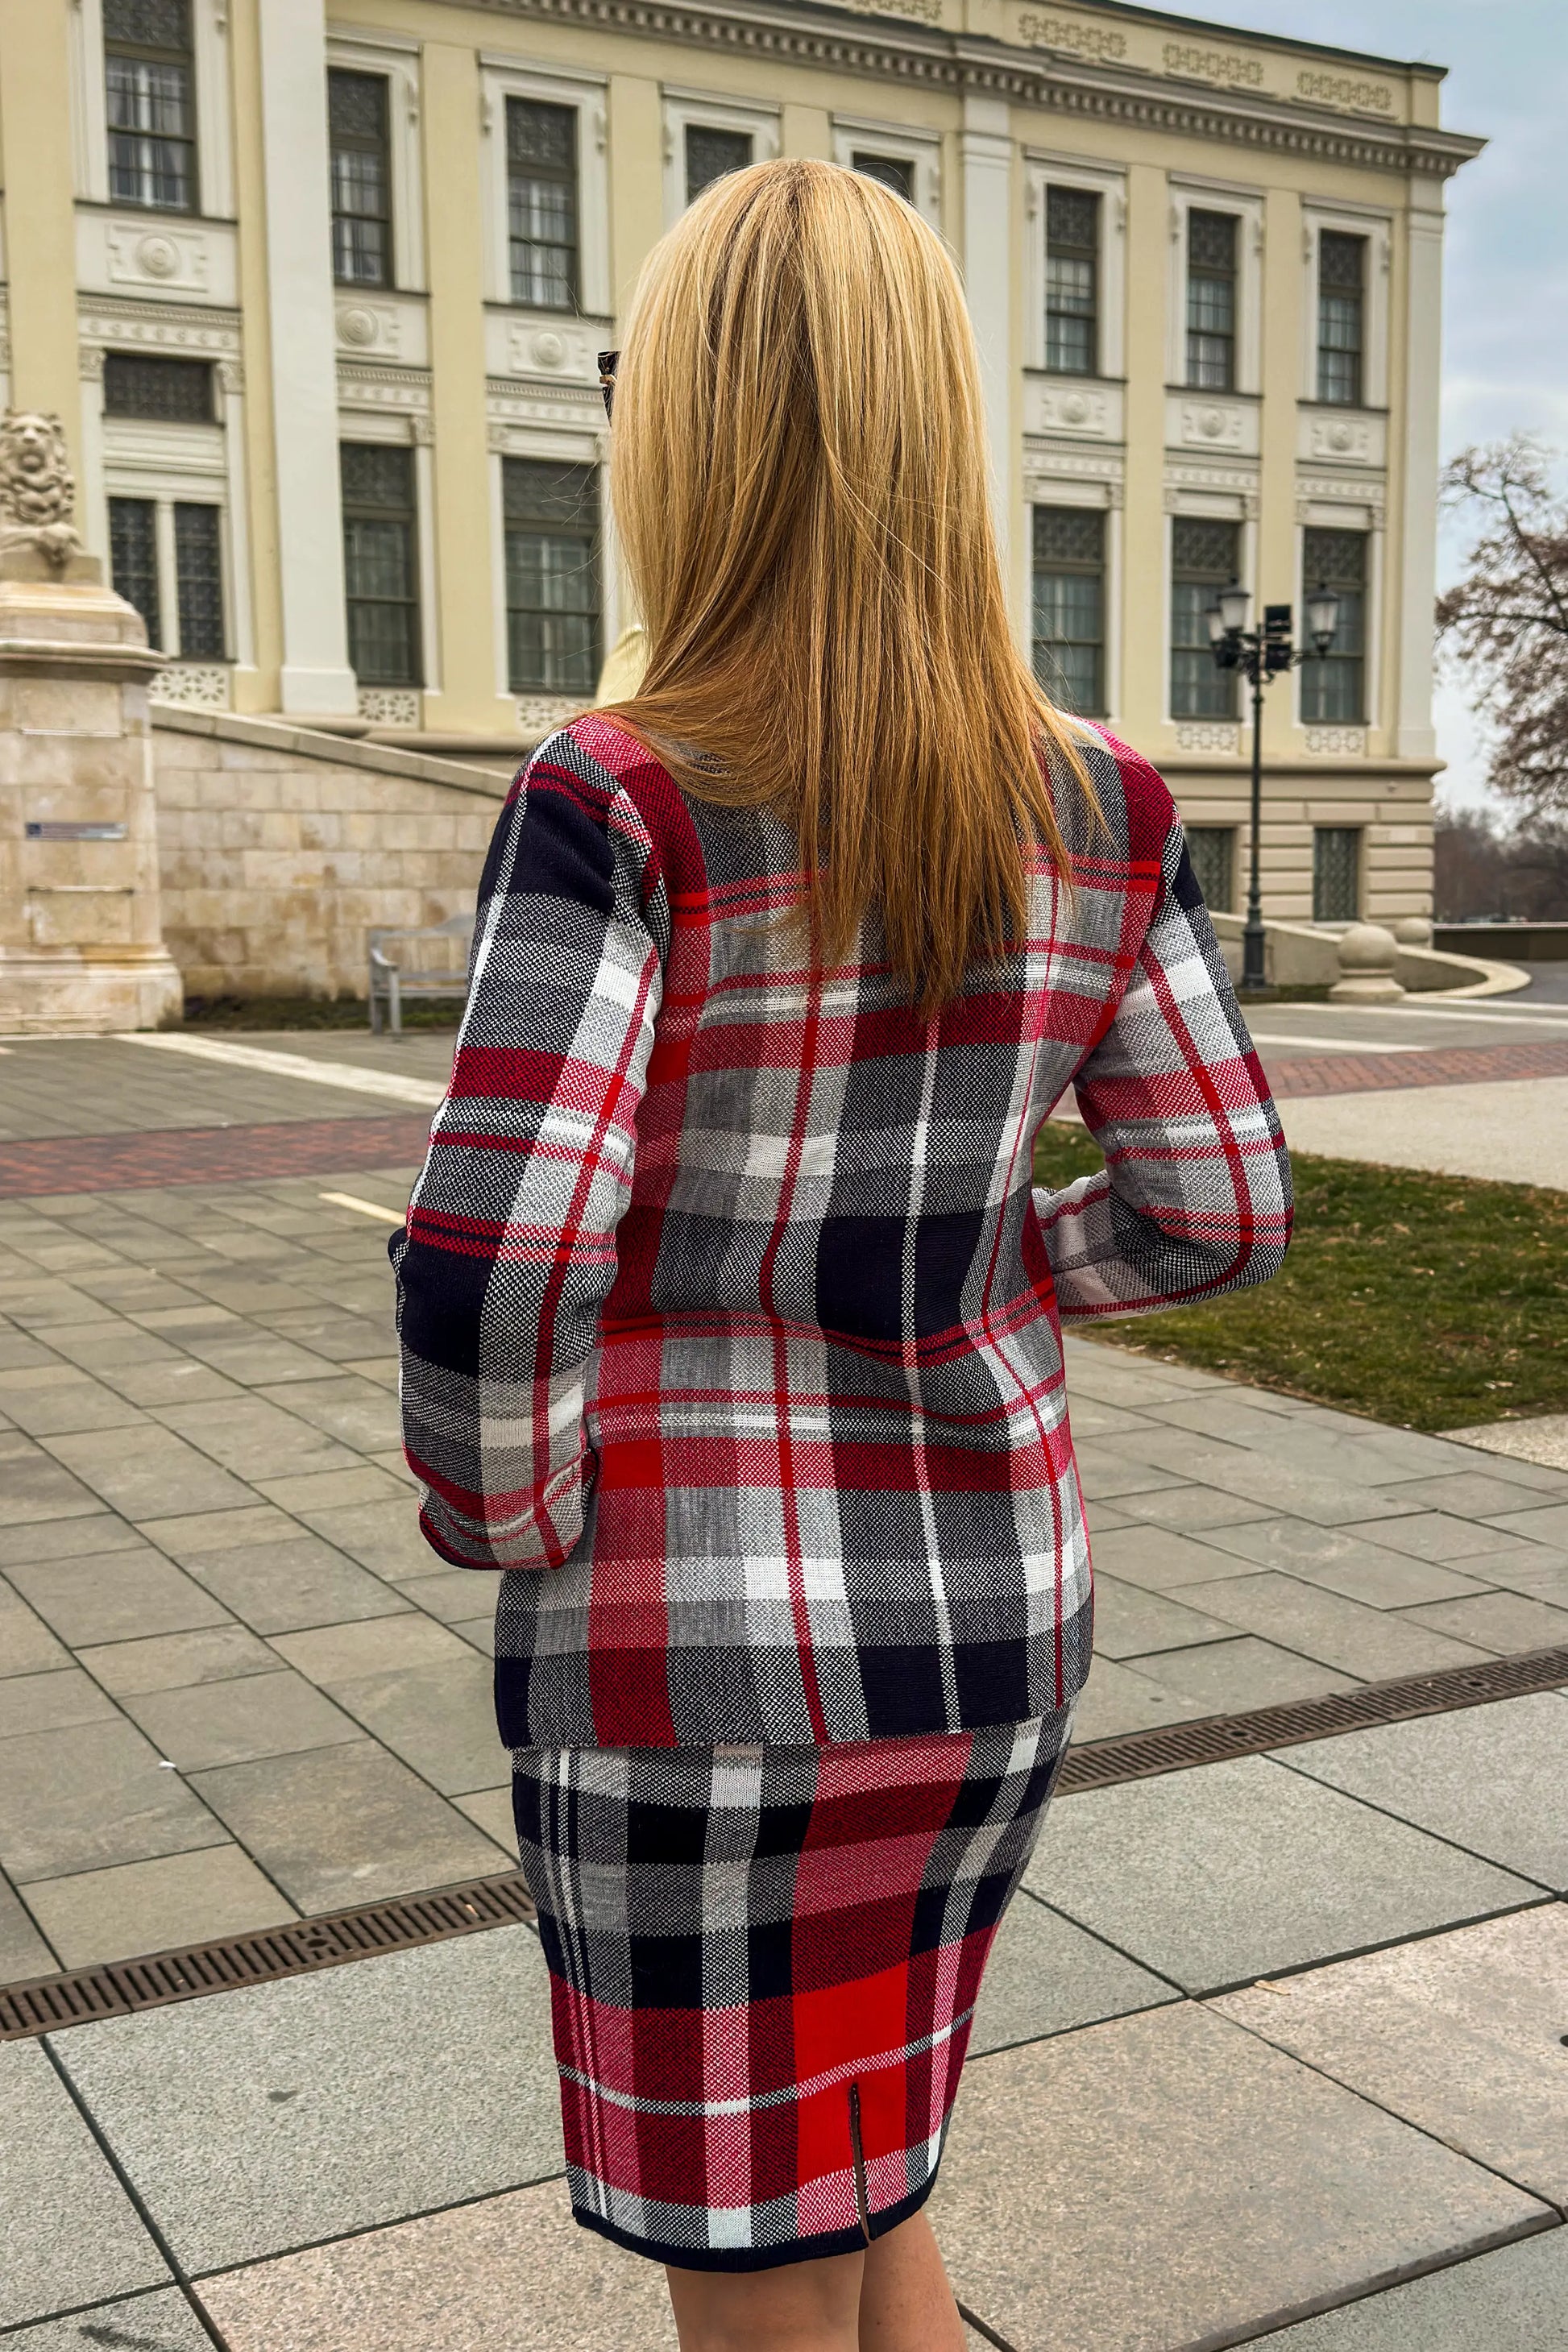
[800, 2307]
[906, 2303]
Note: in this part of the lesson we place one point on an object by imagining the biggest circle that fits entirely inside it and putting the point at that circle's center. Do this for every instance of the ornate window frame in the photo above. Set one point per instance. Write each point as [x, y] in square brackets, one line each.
[1319, 214]
[1218, 503]
[1104, 491]
[711, 111]
[502, 76]
[1188, 194]
[857, 134]
[214, 124]
[1322, 505]
[397, 62]
[1045, 170]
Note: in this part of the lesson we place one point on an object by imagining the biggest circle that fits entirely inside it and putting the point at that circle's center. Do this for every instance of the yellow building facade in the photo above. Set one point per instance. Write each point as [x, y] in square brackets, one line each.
[318, 293]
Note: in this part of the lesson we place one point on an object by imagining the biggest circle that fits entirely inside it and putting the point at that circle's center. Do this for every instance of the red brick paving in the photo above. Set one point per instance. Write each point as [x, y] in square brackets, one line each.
[211, 1155]
[283, 1147]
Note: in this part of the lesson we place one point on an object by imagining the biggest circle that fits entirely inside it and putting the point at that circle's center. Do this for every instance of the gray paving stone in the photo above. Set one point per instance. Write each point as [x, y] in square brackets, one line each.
[34, 1487]
[462, 1594]
[1168, 2180]
[357, 1413]
[195, 1533]
[23, 1951]
[1046, 1975]
[1324, 1493]
[1117, 1698]
[288, 1586]
[335, 1826]
[1520, 1567]
[1222, 1873]
[256, 1359]
[69, 1539]
[94, 1915]
[1106, 1474]
[1116, 1376]
[178, 1381]
[1490, 1778]
[439, 1718]
[479, 1632]
[1129, 1621]
[1232, 1676]
[140, 1471]
[1548, 1526]
[173, 1660]
[72, 2234]
[1343, 1560]
[336, 1655]
[1191, 1509]
[45, 1400]
[257, 1439]
[1503, 1622]
[1162, 1561]
[269, 2118]
[1430, 1535]
[1512, 2300]
[1484, 1493]
[227, 1723]
[1461, 2035]
[52, 1702]
[116, 1596]
[382, 1536]
[96, 1794]
[26, 1644]
[160, 2322]
[329, 1490]
[1372, 1645]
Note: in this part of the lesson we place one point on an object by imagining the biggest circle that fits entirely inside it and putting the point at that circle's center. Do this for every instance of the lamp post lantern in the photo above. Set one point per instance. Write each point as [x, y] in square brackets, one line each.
[1261, 654]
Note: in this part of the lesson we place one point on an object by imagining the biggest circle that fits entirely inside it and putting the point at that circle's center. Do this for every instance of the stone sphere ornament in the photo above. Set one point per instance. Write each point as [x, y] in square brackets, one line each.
[1369, 958]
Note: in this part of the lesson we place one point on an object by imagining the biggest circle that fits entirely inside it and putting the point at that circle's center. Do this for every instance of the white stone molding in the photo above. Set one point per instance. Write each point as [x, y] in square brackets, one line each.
[124, 322]
[1377, 227]
[90, 104]
[1342, 501]
[565, 422]
[193, 686]
[1078, 407]
[1327, 435]
[1222, 736]
[1210, 489]
[397, 62]
[1335, 742]
[424, 528]
[384, 401]
[985, 148]
[1193, 194]
[237, 521]
[390, 706]
[710, 109]
[1108, 183]
[375, 325]
[548, 346]
[1063, 478]
[862, 134]
[215, 128]
[157, 254]
[1212, 420]
[501, 78]
[544, 710]
[316, 679]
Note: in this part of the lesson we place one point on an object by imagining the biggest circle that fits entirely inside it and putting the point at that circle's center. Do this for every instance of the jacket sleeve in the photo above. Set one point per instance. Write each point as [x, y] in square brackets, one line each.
[1194, 1196]
[510, 1249]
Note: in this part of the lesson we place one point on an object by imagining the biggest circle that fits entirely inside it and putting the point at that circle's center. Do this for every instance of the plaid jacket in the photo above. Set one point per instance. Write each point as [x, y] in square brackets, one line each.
[725, 1300]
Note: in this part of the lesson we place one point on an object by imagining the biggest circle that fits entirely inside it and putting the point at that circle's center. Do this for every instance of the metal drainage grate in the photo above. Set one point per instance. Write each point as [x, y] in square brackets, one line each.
[49, 2003]
[1177, 1746]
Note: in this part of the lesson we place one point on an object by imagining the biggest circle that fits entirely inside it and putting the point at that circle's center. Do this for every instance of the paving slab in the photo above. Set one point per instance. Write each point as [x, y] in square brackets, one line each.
[356, 1411]
[97, 1794]
[383, 1537]
[23, 1951]
[335, 1655]
[1513, 2300]
[160, 2322]
[274, 2117]
[140, 1471]
[150, 1906]
[292, 1584]
[1437, 1536]
[1359, 1564]
[514, 2272]
[72, 2234]
[69, 1538]
[1047, 1975]
[1130, 1621]
[338, 1826]
[255, 1438]
[1166, 2180]
[1323, 1492]
[34, 1487]
[1161, 1561]
[439, 1718]
[115, 1596]
[1543, 1526]
[192, 1534]
[1219, 1874]
[1232, 1676]
[1372, 1645]
[46, 1399]
[174, 1661]
[1483, 1494]
[26, 1644]
[1189, 1509]
[227, 1723]
[1503, 1622]
[1461, 2035]
[1490, 1779]
[1118, 1699]
[1519, 1566]
[52, 1702]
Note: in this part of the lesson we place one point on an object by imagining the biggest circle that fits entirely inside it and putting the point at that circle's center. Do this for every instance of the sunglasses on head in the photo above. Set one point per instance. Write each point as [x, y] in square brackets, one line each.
[607, 361]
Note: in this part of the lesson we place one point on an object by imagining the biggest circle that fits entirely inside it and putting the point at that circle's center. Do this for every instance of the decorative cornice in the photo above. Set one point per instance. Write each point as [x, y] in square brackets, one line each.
[839, 38]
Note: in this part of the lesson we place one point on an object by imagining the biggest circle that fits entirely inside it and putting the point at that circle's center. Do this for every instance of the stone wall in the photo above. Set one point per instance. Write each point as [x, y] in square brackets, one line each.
[280, 849]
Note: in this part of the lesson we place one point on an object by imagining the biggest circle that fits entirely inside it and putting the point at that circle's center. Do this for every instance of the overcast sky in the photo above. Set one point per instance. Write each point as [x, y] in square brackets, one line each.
[1505, 339]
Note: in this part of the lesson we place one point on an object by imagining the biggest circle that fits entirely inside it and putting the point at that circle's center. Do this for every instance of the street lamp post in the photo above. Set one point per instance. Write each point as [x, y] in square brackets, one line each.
[1261, 654]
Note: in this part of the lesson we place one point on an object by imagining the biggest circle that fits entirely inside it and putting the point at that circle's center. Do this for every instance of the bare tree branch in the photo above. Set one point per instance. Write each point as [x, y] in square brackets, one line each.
[1504, 626]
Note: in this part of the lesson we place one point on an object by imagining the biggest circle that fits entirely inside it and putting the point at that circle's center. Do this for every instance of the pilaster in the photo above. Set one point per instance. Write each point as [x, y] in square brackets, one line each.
[1280, 375]
[1145, 631]
[986, 152]
[637, 181]
[1414, 552]
[36, 140]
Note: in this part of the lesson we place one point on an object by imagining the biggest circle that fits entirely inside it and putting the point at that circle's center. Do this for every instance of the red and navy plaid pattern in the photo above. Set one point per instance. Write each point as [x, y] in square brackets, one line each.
[724, 1295]
[764, 1966]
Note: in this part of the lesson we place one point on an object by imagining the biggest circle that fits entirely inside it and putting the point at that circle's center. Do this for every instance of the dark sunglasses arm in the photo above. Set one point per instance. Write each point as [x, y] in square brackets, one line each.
[608, 362]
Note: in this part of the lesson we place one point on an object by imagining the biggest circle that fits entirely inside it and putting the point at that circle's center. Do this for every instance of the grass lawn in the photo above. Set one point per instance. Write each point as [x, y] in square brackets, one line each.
[1431, 1302]
[313, 1013]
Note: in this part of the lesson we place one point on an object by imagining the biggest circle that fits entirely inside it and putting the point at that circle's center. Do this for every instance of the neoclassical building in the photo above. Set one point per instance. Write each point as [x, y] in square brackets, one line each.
[317, 292]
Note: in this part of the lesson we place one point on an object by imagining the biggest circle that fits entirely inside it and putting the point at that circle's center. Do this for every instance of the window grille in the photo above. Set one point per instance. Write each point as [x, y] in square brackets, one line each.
[1334, 686]
[357, 115]
[551, 524]
[1205, 557]
[149, 78]
[1072, 271]
[711, 154]
[1336, 873]
[1212, 849]
[141, 383]
[379, 565]
[895, 171]
[1341, 306]
[1211, 300]
[198, 574]
[1069, 607]
[542, 194]
[133, 559]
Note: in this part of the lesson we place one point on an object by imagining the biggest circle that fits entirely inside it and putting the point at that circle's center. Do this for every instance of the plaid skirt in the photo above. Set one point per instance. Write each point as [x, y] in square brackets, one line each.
[764, 1966]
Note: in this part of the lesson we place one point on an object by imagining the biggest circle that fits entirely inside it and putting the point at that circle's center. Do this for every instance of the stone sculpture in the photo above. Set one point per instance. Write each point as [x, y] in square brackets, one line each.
[37, 489]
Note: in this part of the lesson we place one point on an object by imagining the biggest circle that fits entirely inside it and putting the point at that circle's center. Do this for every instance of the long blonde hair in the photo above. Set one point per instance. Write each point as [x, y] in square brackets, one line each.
[799, 479]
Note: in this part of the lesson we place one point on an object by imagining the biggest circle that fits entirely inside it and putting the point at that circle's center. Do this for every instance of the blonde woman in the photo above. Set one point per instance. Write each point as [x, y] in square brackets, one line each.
[731, 1326]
